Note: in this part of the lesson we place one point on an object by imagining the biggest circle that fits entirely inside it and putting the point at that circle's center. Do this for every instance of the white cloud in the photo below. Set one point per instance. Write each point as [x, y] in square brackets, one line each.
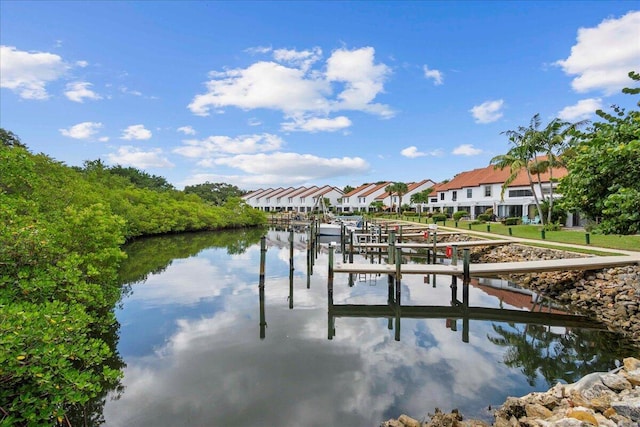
[132, 156]
[603, 56]
[302, 59]
[79, 91]
[82, 64]
[316, 124]
[295, 89]
[215, 146]
[363, 80]
[187, 130]
[84, 130]
[435, 75]
[262, 85]
[412, 152]
[253, 121]
[488, 111]
[466, 150]
[258, 50]
[27, 73]
[277, 169]
[583, 109]
[303, 167]
[136, 132]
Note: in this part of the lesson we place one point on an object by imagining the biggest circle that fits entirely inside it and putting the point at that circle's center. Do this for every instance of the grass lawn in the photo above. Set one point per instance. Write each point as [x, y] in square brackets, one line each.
[613, 241]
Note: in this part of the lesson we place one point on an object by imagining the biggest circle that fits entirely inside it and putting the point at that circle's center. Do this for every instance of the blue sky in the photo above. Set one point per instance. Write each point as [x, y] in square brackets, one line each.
[268, 94]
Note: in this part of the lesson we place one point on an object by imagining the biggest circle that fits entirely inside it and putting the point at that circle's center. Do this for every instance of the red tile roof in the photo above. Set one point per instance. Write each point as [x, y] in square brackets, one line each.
[491, 175]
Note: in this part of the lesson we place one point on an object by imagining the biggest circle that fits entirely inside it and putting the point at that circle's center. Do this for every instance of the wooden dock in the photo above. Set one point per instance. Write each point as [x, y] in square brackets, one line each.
[492, 269]
[439, 245]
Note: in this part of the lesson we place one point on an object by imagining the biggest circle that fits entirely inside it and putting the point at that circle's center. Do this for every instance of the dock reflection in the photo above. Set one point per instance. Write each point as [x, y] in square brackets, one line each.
[457, 311]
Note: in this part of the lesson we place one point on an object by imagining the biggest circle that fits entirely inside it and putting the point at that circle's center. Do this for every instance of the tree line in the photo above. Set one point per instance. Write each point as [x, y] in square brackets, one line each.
[61, 232]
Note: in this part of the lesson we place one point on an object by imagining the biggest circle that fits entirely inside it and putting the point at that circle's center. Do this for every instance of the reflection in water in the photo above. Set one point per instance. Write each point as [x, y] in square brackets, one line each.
[188, 336]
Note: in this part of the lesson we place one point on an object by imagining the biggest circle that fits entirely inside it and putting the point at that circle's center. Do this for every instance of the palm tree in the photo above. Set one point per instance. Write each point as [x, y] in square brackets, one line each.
[420, 198]
[520, 156]
[553, 141]
[399, 188]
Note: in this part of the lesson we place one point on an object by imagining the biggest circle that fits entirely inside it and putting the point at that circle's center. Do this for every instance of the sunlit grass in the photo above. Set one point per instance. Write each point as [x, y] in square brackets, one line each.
[575, 237]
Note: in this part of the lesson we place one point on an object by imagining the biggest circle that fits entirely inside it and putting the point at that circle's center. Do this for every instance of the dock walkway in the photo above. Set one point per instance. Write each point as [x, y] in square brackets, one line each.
[492, 269]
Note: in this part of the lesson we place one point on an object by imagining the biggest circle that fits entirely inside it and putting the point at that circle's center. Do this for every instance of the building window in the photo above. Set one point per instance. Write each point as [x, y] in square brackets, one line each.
[469, 193]
[442, 196]
[434, 200]
[520, 193]
[301, 199]
[487, 191]
[454, 195]
[362, 199]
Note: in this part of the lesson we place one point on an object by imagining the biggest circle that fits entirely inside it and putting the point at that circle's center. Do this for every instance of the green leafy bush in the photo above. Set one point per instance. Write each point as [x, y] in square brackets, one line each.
[512, 221]
[458, 215]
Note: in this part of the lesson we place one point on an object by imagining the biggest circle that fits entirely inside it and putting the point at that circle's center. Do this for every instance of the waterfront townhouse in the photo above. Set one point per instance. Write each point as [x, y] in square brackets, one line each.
[311, 199]
[478, 190]
[392, 200]
[360, 199]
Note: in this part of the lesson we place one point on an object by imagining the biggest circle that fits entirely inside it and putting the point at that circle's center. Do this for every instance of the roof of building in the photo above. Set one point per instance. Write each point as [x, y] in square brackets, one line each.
[491, 175]
[372, 190]
[358, 190]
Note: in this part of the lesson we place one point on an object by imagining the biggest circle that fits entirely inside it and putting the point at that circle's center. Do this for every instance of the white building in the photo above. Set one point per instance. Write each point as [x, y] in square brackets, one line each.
[477, 190]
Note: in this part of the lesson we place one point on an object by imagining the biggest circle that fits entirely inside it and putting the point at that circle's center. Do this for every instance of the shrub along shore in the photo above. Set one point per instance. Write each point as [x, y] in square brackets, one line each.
[61, 231]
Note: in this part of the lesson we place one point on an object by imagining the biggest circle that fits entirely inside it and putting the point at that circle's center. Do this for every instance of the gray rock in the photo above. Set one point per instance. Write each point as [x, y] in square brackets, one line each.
[629, 408]
[615, 382]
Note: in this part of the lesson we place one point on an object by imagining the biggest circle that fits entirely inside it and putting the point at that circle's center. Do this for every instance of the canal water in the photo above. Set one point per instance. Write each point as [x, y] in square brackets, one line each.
[204, 347]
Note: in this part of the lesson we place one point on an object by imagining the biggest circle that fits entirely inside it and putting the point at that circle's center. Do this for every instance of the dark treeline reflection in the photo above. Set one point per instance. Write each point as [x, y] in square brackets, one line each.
[153, 255]
[556, 355]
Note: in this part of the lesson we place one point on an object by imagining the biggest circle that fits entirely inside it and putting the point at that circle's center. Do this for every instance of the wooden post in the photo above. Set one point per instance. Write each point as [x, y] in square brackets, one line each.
[263, 322]
[330, 276]
[466, 279]
[391, 250]
[343, 243]
[263, 252]
[309, 268]
[291, 289]
[435, 250]
[454, 254]
[291, 251]
[351, 247]
[398, 273]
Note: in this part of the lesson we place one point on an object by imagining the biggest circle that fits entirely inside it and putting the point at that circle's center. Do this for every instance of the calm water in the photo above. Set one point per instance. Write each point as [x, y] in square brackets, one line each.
[190, 336]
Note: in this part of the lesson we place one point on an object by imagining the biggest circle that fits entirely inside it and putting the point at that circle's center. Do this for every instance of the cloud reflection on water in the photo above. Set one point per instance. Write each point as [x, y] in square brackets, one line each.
[212, 368]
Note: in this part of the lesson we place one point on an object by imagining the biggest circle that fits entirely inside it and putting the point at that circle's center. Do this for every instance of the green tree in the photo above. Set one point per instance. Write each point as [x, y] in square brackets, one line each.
[517, 159]
[552, 141]
[215, 193]
[400, 189]
[142, 179]
[420, 198]
[347, 189]
[604, 166]
[376, 205]
[10, 139]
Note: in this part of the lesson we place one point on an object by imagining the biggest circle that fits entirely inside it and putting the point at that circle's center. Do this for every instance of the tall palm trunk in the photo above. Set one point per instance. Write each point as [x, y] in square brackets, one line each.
[535, 196]
[550, 194]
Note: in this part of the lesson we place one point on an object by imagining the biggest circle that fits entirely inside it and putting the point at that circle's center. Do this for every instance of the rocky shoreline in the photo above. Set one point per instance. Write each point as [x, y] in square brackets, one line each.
[610, 296]
[608, 399]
